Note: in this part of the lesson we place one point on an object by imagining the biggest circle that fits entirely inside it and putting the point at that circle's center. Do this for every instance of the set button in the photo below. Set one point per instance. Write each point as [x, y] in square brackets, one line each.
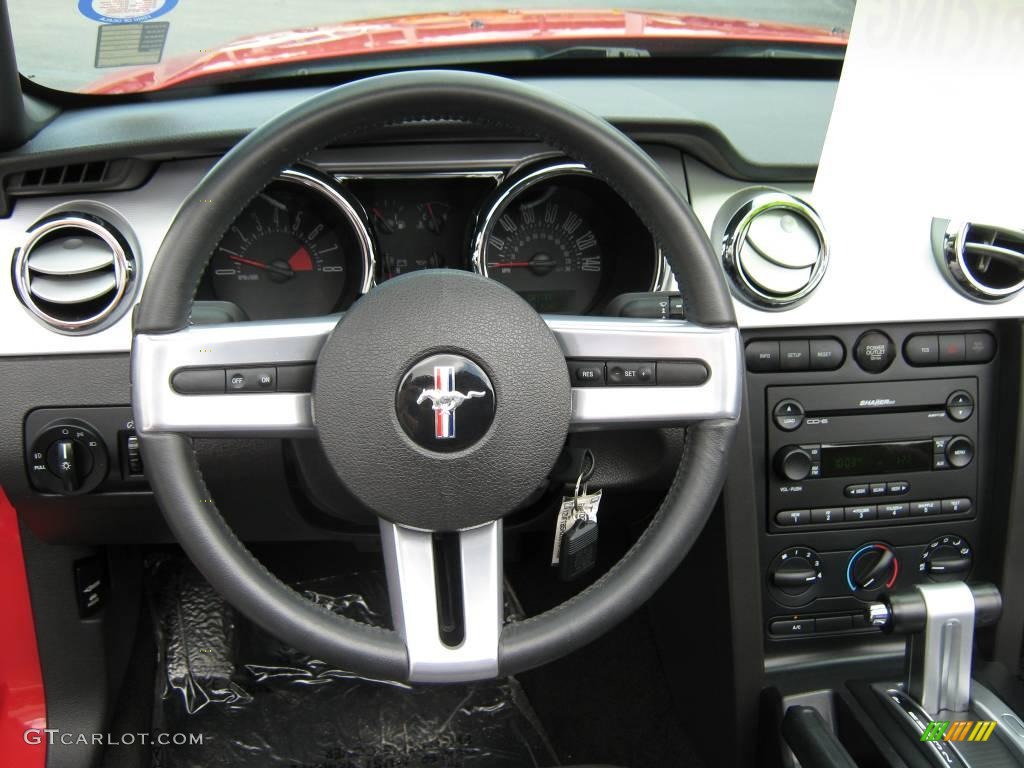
[773, 355]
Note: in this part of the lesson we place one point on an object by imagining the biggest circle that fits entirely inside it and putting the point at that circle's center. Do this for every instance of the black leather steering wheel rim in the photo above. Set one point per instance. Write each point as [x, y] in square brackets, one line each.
[352, 112]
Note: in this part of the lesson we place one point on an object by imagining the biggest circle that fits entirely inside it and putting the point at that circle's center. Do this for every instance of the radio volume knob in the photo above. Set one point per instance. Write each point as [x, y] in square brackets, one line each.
[793, 463]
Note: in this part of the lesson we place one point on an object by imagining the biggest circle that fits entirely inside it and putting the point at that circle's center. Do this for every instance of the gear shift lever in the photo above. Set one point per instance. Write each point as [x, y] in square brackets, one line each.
[940, 619]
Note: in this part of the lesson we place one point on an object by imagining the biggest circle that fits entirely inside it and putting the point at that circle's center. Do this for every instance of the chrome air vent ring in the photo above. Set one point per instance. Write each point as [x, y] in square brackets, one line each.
[984, 262]
[773, 247]
[74, 271]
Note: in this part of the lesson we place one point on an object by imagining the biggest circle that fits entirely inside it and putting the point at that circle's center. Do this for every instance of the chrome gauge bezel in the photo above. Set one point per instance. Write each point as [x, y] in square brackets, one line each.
[516, 184]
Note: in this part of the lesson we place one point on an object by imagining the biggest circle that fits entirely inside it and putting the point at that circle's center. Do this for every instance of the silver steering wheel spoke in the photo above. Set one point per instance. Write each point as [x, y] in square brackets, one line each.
[161, 407]
[467, 590]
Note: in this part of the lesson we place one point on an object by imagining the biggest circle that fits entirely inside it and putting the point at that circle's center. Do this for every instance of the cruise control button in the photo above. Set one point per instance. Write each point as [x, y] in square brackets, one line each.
[827, 515]
[684, 373]
[924, 508]
[762, 356]
[205, 381]
[826, 354]
[956, 506]
[631, 374]
[863, 512]
[897, 487]
[922, 349]
[794, 354]
[793, 517]
[856, 491]
[952, 348]
[790, 627]
[788, 415]
[893, 511]
[252, 379]
[981, 347]
[874, 352]
[586, 374]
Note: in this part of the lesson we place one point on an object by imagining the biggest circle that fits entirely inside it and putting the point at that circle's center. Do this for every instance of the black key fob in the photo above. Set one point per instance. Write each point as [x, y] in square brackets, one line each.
[578, 553]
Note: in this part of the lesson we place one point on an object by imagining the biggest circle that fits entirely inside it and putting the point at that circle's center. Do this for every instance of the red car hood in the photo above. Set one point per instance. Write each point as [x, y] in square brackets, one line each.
[447, 30]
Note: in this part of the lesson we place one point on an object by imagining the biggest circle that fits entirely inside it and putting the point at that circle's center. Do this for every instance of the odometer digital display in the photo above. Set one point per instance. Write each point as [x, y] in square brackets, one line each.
[876, 458]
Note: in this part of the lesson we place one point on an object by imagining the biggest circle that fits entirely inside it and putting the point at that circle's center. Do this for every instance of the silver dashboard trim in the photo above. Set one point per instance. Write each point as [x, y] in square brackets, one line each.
[159, 408]
[412, 588]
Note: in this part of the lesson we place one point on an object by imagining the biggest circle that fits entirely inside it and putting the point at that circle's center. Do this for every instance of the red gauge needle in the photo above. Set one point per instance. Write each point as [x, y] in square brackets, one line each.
[276, 268]
[250, 262]
[508, 264]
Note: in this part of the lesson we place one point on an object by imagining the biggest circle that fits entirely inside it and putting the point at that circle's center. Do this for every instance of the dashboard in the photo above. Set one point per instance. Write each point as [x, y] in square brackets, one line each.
[313, 242]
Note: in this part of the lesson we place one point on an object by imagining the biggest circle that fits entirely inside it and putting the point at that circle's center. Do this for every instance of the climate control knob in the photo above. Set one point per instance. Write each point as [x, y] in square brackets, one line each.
[794, 575]
[871, 568]
[793, 463]
[947, 558]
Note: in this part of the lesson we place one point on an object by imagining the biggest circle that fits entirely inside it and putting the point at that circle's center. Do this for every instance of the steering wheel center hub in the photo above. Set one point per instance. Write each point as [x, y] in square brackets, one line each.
[442, 400]
[431, 393]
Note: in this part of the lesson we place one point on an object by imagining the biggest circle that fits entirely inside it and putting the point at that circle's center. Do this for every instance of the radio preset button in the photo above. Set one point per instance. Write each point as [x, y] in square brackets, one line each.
[893, 511]
[956, 506]
[960, 406]
[856, 491]
[960, 451]
[793, 517]
[863, 512]
[924, 508]
[897, 487]
[874, 352]
[788, 415]
[827, 515]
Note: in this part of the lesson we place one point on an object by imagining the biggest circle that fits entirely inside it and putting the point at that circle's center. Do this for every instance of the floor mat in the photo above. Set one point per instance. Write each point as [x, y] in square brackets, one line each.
[253, 701]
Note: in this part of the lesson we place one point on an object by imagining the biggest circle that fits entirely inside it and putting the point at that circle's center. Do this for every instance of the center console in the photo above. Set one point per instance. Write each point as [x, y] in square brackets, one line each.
[873, 451]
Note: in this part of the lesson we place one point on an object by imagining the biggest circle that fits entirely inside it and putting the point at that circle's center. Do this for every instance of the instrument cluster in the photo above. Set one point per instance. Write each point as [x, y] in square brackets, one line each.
[311, 243]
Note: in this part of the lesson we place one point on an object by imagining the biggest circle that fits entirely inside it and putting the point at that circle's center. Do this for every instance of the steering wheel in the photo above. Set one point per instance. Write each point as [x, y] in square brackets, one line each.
[387, 377]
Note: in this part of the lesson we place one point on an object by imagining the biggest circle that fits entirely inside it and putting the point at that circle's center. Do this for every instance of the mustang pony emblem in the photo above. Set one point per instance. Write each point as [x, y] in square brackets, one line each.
[444, 400]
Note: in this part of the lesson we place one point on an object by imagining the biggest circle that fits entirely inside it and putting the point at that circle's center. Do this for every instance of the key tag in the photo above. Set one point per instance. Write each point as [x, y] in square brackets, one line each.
[575, 545]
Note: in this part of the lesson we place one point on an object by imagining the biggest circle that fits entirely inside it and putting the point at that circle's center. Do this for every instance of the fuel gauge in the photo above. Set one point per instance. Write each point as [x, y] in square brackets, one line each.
[433, 216]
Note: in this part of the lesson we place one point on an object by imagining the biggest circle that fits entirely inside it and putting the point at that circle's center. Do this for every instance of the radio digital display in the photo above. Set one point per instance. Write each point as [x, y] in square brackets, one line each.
[876, 458]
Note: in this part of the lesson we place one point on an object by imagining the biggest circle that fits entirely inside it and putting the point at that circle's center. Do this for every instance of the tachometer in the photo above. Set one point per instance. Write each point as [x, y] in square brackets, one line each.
[300, 248]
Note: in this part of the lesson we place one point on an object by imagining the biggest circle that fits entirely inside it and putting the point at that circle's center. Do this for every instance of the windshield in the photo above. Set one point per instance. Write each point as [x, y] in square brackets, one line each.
[123, 46]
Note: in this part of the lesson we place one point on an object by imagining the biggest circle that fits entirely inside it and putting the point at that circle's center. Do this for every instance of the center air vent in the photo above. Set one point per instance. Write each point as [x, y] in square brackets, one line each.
[981, 261]
[772, 246]
[73, 272]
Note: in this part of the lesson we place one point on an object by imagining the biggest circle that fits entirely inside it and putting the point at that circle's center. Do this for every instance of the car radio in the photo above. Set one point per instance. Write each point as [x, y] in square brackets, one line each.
[849, 455]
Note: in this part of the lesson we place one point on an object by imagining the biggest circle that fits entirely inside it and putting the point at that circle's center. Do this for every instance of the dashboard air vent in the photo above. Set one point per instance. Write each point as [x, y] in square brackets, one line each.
[73, 272]
[99, 175]
[773, 247]
[982, 261]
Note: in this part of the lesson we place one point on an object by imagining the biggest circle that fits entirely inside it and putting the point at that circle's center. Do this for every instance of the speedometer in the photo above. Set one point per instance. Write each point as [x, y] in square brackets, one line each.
[544, 248]
[564, 241]
[300, 248]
